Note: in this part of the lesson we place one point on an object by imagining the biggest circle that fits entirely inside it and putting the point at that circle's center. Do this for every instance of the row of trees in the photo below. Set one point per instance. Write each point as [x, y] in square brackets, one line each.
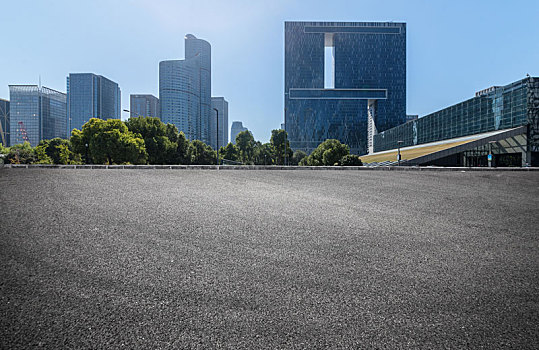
[146, 140]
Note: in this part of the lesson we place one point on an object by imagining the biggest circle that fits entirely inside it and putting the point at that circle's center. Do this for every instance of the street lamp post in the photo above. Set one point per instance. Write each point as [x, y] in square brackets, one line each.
[128, 111]
[217, 140]
[399, 152]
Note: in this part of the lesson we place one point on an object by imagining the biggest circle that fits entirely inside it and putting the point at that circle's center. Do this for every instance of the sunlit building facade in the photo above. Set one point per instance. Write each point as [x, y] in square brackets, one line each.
[497, 127]
[36, 113]
[91, 96]
[366, 70]
[185, 90]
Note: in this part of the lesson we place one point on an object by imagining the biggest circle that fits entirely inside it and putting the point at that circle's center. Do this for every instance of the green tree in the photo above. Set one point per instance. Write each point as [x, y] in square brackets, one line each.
[351, 160]
[246, 146]
[264, 154]
[160, 140]
[297, 157]
[56, 151]
[200, 153]
[230, 152]
[329, 152]
[109, 142]
[281, 146]
[172, 133]
[21, 154]
[182, 149]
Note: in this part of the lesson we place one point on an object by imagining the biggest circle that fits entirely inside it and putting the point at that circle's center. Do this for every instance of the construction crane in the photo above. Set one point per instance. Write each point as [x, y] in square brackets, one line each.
[22, 132]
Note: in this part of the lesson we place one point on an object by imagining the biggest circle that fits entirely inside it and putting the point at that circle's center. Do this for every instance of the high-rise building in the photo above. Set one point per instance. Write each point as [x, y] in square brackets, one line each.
[91, 96]
[236, 128]
[4, 122]
[143, 105]
[344, 81]
[220, 104]
[185, 90]
[36, 113]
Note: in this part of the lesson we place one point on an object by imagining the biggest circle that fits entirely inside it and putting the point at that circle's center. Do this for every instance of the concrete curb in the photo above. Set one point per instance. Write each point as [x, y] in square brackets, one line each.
[257, 167]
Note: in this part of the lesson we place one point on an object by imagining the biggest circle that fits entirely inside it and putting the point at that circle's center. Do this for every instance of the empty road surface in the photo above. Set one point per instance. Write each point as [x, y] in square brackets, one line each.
[194, 259]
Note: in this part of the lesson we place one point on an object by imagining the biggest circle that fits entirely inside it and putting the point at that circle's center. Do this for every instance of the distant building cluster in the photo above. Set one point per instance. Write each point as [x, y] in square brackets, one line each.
[35, 113]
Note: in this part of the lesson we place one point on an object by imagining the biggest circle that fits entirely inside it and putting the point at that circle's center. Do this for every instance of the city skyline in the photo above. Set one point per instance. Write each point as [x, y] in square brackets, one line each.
[444, 66]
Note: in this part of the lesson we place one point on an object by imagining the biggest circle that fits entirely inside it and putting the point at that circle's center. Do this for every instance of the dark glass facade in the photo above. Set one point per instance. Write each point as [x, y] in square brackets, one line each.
[143, 105]
[36, 114]
[497, 108]
[4, 122]
[369, 69]
[185, 90]
[91, 96]
[221, 105]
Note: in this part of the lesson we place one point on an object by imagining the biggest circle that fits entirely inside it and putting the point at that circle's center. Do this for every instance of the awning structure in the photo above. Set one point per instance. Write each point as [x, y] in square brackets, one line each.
[420, 154]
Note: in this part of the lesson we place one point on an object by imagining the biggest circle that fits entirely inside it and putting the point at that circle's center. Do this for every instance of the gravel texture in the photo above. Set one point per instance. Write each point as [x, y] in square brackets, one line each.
[159, 259]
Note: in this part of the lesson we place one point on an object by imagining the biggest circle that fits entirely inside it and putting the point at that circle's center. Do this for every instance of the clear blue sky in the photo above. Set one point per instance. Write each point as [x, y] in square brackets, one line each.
[454, 48]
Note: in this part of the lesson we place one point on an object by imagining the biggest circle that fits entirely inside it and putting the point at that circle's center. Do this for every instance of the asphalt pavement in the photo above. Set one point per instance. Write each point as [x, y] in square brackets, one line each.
[203, 259]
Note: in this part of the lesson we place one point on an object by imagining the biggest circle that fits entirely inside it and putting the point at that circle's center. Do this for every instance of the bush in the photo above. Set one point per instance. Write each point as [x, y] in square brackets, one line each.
[351, 160]
[329, 152]
[21, 154]
[297, 157]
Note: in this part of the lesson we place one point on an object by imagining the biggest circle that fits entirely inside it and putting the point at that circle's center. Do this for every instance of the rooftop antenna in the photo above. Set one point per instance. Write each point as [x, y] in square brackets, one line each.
[40, 81]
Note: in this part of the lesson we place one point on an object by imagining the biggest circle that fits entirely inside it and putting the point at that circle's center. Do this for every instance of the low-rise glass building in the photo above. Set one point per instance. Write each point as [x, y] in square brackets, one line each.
[511, 110]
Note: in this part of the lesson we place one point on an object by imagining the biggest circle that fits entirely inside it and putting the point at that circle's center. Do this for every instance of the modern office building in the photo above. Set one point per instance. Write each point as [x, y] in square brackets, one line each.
[344, 81]
[220, 137]
[91, 96]
[143, 105]
[500, 123]
[236, 128]
[185, 90]
[4, 122]
[36, 113]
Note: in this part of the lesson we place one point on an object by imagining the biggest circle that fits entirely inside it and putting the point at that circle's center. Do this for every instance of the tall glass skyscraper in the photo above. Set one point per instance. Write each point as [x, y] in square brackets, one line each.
[91, 96]
[185, 90]
[236, 128]
[143, 105]
[344, 81]
[36, 113]
[221, 105]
